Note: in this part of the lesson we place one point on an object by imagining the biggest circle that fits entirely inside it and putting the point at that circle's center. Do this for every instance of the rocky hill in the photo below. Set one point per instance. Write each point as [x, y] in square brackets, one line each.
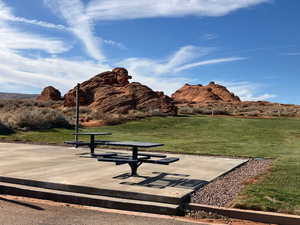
[201, 94]
[111, 92]
[49, 94]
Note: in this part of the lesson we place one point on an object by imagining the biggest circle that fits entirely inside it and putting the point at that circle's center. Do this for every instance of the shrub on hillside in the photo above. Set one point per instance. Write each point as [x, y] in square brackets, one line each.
[4, 129]
[34, 119]
[204, 110]
[115, 118]
[15, 104]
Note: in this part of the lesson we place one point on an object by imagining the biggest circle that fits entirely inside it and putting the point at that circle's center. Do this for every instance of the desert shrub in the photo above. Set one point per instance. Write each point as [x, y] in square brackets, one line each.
[34, 119]
[186, 110]
[251, 113]
[204, 110]
[4, 129]
[11, 105]
[116, 118]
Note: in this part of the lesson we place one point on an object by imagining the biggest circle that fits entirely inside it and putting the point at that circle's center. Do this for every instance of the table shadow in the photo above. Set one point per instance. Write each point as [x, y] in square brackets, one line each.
[163, 180]
[22, 203]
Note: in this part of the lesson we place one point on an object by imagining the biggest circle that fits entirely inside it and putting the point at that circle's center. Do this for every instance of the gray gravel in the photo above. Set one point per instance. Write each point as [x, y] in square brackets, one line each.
[224, 189]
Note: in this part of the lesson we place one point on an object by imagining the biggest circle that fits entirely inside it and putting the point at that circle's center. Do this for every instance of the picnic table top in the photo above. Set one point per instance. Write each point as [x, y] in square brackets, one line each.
[133, 144]
[93, 133]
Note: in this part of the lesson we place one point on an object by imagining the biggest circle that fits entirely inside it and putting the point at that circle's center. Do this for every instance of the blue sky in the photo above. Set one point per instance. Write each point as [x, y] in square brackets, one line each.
[250, 46]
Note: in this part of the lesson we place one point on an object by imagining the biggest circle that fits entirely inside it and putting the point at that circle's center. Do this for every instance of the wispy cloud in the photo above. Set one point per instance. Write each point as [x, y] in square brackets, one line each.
[184, 55]
[208, 62]
[161, 74]
[209, 36]
[247, 90]
[115, 44]
[14, 39]
[40, 72]
[182, 59]
[292, 53]
[73, 11]
[134, 9]
[6, 14]
[20, 70]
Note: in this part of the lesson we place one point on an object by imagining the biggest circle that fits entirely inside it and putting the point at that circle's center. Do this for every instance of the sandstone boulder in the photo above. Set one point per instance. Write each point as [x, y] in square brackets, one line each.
[201, 94]
[49, 94]
[111, 92]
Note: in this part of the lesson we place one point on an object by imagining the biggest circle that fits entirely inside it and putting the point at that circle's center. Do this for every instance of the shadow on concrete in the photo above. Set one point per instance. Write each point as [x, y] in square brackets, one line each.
[22, 204]
[163, 180]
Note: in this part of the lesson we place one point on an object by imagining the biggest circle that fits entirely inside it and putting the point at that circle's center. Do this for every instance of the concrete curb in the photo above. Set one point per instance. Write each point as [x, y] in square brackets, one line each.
[95, 191]
[90, 200]
[257, 216]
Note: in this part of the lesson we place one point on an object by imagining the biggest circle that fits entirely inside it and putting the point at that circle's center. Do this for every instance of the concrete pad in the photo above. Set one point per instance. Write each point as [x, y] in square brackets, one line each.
[68, 169]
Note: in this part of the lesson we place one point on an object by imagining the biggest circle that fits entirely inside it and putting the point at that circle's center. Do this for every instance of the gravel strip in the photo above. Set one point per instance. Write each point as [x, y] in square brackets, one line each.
[224, 189]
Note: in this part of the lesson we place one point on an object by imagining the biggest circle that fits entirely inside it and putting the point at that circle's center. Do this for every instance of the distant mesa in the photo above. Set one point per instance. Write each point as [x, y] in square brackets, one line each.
[11, 96]
[111, 92]
[201, 94]
[49, 94]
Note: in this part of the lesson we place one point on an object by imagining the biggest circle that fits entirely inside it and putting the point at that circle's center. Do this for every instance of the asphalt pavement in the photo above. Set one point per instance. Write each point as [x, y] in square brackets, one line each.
[18, 211]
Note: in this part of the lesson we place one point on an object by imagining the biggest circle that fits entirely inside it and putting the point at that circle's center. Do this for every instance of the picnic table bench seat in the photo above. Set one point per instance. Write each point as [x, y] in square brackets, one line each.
[117, 160]
[77, 143]
[164, 161]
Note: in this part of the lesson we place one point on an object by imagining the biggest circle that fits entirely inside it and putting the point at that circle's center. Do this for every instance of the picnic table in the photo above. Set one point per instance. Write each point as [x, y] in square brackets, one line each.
[91, 144]
[137, 158]
[134, 160]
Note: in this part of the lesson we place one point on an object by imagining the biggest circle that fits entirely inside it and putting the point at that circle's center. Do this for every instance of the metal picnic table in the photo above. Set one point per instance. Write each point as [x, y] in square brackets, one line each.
[134, 160]
[91, 144]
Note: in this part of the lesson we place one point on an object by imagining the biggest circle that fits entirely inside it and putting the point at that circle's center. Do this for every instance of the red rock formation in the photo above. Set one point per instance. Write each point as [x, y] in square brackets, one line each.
[199, 94]
[111, 92]
[49, 94]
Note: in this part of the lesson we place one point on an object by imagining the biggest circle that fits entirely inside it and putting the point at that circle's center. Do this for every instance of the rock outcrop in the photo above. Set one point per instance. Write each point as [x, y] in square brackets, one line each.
[49, 94]
[111, 92]
[201, 94]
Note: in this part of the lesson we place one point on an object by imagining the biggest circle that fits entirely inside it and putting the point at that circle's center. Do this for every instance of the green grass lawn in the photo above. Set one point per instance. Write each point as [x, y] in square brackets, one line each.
[272, 138]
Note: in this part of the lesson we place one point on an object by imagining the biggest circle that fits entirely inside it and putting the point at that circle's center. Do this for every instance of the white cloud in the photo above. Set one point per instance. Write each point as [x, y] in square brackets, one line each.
[14, 39]
[41, 72]
[182, 56]
[115, 44]
[6, 14]
[208, 62]
[134, 9]
[161, 75]
[179, 61]
[141, 71]
[35, 22]
[37, 72]
[246, 91]
[209, 36]
[81, 18]
[73, 11]
[292, 53]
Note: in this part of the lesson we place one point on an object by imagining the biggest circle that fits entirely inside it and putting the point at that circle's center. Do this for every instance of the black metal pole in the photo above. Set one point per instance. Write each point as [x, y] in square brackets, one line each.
[92, 144]
[134, 165]
[77, 115]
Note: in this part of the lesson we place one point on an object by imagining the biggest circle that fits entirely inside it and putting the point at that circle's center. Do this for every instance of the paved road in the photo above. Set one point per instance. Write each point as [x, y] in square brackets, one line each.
[22, 212]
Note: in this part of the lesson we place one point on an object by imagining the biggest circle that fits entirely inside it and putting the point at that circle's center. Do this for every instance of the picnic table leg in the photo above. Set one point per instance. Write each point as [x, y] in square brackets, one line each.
[92, 144]
[134, 165]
